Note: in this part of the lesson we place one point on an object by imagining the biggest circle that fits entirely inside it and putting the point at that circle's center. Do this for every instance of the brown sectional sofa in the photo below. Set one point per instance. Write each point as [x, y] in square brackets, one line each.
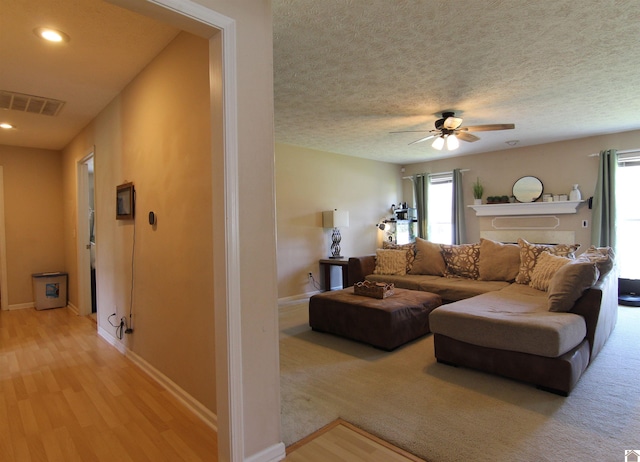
[545, 337]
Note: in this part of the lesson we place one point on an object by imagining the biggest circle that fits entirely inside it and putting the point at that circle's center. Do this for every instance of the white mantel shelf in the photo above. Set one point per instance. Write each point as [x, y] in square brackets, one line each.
[526, 208]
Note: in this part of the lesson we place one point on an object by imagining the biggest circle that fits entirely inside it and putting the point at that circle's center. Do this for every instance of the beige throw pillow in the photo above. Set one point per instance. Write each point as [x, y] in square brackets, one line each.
[546, 266]
[529, 255]
[569, 283]
[428, 259]
[391, 261]
[410, 250]
[461, 260]
[498, 261]
[603, 257]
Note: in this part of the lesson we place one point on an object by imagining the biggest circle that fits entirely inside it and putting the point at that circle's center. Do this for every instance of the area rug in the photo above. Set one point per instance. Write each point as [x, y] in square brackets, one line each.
[443, 413]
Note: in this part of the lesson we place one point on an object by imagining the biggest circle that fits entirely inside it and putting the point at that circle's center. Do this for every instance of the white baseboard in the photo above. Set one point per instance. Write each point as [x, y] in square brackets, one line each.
[272, 454]
[206, 415]
[73, 308]
[21, 306]
[296, 298]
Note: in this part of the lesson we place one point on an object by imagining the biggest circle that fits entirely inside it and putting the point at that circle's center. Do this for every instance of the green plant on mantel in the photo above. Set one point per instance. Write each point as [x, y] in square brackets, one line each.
[478, 189]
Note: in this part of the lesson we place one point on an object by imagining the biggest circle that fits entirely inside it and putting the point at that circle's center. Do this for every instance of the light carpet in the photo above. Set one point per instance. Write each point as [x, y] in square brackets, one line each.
[443, 413]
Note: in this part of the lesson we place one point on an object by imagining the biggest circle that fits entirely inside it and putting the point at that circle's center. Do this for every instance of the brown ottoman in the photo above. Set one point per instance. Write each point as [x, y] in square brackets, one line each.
[386, 323]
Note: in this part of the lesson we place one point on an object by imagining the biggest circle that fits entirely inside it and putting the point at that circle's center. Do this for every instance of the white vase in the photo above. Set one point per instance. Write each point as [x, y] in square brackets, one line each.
[575, 195]
[477, 202]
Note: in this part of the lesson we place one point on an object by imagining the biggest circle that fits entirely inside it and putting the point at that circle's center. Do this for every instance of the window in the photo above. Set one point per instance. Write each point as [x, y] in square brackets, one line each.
[628, 211]
[439, 226]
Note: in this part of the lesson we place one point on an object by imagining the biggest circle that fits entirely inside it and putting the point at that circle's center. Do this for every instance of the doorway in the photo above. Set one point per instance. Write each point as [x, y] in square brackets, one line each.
[86, 239]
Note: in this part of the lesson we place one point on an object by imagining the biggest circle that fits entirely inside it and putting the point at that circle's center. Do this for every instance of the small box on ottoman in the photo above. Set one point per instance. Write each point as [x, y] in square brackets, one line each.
[384, 323]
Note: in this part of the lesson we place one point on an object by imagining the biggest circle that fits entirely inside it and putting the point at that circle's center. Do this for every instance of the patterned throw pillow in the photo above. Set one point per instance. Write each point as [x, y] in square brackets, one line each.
[546, 267]
[461, 260]
[409, 248]
[529, 254]
[391, 261]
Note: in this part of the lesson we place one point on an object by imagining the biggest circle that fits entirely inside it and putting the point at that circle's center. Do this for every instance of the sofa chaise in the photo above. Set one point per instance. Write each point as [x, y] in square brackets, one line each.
[530, 312]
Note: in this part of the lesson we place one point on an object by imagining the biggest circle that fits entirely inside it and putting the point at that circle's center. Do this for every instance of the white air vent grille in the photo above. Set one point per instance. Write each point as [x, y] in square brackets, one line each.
[30, 103]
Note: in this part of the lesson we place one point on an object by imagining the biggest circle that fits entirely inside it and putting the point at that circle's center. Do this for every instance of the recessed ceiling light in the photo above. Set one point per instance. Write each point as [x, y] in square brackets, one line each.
[512, 142]
[51, 35]
[6, 126]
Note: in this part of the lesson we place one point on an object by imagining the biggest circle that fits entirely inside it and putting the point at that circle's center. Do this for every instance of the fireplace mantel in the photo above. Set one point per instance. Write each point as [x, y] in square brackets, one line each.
[527, 208]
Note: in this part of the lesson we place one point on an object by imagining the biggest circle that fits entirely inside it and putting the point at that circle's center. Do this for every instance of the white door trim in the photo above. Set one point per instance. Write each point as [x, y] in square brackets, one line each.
[228, 327]
[4, 288]
[82, 225]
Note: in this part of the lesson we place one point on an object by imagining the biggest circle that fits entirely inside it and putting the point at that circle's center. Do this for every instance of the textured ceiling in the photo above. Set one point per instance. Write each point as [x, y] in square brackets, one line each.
[348, 72]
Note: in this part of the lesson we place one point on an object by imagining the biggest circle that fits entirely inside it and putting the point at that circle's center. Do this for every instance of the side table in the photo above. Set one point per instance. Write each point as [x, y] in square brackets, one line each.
[327, 264]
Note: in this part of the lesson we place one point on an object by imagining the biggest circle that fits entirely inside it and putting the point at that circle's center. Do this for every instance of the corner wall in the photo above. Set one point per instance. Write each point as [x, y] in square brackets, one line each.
[558, 165]
[309, 182]
[156, 134]
[33, 218]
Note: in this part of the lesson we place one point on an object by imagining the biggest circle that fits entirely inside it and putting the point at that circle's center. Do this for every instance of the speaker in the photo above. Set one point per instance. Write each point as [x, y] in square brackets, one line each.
[629, 292]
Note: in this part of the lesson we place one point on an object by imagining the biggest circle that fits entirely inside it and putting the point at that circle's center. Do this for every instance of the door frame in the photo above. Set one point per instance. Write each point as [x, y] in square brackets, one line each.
[4, 286]
[82, 225]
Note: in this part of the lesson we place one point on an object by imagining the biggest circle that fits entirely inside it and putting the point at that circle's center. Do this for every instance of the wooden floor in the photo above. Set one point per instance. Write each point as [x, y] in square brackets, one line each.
[342, 442]
[67, 395]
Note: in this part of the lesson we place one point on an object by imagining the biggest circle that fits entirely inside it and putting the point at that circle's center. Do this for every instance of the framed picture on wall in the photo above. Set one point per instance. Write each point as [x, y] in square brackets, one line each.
[125, 202]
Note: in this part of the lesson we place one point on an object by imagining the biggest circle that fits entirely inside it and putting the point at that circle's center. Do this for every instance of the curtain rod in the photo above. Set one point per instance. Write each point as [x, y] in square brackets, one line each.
[628, 151]
[439, 173]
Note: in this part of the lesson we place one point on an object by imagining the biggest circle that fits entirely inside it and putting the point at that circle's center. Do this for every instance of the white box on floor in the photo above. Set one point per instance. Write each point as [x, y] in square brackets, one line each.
[49, 290]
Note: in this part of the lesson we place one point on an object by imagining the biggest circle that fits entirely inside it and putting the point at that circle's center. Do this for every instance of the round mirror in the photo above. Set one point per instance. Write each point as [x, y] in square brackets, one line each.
[527, 189]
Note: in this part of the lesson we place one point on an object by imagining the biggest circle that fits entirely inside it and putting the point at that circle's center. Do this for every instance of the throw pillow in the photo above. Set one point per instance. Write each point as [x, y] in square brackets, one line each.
[529, 254]
[546, 266]
[391, 261]
[461, 260]
[428, 259]
[569, 283]
[603, 257]
[498, 261]
[410, 250]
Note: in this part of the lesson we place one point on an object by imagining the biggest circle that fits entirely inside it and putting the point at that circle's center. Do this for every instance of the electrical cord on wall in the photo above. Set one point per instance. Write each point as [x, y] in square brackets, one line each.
[119, 327]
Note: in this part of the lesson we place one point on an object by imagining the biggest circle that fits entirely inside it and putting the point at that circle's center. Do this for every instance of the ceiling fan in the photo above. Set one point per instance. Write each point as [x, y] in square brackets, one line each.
[449, 130]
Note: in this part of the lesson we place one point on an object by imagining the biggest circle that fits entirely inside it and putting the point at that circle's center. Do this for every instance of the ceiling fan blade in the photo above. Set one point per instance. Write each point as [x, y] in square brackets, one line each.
[487, 128]
[451, 123]
[464, 136]
[422, 139]
[412, 131]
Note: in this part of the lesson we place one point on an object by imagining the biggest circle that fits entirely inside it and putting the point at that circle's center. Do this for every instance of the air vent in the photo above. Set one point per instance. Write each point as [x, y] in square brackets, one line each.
[30, 103]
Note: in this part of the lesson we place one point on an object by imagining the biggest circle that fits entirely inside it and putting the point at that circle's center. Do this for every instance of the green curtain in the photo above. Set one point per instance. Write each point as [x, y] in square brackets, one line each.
[603, 230]
[457, 211]
[420, 189]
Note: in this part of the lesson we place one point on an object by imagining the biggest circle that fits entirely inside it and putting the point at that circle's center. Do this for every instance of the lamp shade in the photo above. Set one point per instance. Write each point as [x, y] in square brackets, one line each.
[335, 219]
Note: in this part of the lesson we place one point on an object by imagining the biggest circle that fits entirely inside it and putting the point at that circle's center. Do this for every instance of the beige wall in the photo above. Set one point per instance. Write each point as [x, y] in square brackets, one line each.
[558, 165]
[309, 182]
[33, 218]
[156, 133]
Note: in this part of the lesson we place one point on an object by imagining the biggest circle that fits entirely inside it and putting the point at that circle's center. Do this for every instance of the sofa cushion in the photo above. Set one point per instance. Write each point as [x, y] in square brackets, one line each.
[603, 257]
[512, 320]
[546, 266]
[569, 283]
[389, 261]
[498, 261]
[461, 260]
[529, 255]
[428, 259]
[410, 250]
[450, 289]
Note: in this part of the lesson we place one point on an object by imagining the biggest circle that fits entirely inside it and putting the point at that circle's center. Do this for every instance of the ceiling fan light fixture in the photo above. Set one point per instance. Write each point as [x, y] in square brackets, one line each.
[438, 143]
[452, 142]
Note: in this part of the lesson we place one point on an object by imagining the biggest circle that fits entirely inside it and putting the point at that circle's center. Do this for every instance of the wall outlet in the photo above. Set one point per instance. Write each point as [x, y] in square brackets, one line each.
[310, 276]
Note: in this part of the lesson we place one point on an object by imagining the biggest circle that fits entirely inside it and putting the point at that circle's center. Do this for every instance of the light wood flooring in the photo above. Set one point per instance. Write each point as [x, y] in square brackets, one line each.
[67, 395]
[342, 442]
